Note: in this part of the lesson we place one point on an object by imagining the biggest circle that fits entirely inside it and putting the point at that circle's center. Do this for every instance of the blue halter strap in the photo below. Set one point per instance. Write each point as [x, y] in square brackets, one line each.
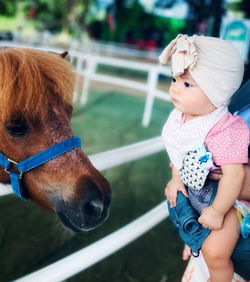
[35, 161]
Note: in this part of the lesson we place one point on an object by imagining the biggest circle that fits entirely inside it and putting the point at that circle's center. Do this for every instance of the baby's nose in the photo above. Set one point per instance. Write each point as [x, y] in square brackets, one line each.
[177, 90]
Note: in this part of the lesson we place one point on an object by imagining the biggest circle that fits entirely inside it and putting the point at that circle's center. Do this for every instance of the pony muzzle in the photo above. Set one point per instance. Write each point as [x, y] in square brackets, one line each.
[83, 216]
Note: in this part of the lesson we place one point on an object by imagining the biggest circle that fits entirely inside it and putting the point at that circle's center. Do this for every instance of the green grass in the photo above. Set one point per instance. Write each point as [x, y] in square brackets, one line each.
[113, 119]
[13, 23]
[31, 238]
[8, 23]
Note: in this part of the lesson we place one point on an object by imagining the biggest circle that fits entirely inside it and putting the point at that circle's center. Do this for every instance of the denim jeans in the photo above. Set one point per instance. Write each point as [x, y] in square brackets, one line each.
[241, 258]
[185, 219]
[241, 254]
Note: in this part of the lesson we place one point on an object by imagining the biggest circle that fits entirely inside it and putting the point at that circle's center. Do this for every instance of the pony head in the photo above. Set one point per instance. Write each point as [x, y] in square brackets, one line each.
[36, 91]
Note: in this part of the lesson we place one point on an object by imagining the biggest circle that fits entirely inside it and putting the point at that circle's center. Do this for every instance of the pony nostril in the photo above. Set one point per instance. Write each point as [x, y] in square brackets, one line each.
[95, 203]
[93, 208]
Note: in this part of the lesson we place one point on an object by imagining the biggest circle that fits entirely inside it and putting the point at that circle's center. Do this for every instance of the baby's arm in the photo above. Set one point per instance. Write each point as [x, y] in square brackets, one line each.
[229, 189]
[245, 191]
[173, 186]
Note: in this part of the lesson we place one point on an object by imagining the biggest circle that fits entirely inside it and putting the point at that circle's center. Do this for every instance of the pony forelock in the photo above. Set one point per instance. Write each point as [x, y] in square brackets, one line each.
[30, 80]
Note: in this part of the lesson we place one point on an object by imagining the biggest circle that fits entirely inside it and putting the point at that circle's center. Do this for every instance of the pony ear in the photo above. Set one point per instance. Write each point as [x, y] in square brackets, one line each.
[64, 54]
[68, 110]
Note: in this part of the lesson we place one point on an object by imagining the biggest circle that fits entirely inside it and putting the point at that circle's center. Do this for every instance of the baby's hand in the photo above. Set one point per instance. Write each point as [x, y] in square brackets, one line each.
[211, 219]
[174, 185]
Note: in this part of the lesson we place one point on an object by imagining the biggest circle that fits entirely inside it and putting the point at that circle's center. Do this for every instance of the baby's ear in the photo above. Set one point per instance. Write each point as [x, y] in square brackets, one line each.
[64, 54]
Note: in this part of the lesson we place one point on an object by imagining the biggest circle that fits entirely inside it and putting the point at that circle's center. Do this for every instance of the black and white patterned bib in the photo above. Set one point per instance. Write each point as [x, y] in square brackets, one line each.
[192, 174]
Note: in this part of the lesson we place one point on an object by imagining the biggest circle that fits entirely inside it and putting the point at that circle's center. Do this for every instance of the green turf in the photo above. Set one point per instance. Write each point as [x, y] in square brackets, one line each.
[31, 238]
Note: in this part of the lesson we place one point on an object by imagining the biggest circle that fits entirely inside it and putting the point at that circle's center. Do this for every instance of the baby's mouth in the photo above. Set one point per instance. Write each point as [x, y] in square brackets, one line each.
[174, 100]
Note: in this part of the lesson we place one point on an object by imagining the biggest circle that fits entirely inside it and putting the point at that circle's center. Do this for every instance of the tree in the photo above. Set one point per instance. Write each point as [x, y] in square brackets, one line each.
[204, 16]
[164, 4]
[60, 15]
[8, 7]
[134, 25]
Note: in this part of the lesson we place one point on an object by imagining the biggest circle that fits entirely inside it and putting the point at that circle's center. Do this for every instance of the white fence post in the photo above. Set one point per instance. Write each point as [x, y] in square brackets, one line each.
[152, 84]
[87, 63]
[89, 72]
[79, 62]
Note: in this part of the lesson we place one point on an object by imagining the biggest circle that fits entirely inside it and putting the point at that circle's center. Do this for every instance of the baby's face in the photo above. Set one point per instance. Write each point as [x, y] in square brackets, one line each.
[188, 97]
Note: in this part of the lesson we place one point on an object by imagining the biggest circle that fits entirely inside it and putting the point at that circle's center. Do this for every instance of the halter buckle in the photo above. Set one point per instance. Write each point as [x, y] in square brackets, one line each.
[12, 163]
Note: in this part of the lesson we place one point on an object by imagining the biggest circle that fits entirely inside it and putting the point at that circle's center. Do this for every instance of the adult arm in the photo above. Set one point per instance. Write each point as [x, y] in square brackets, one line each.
[245, 191]
[228, 191]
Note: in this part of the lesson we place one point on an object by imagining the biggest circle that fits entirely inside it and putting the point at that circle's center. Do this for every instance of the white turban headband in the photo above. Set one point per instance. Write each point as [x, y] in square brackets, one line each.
[214, 64]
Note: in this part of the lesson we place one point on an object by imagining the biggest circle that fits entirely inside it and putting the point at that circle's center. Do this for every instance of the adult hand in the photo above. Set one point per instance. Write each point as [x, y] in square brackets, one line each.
[245, 191]
[215, 174]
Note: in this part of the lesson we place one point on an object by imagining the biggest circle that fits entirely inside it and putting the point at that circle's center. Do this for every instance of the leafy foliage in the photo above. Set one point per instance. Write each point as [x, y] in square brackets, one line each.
[79, 16]
[141, 25]
[8, 8]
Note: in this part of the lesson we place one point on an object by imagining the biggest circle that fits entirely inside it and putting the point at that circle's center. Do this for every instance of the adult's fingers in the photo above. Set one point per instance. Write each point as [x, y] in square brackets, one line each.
[215, 175]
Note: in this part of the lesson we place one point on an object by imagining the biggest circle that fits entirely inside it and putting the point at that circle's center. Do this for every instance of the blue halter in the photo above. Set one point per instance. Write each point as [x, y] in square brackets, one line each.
[35, 161]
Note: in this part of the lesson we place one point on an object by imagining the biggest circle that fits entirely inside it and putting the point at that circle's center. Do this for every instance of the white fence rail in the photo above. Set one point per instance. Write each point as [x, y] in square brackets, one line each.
[90, 255]
[115, 157]
[5, 189]
[87, 66]
[99, 250]
[112, 49]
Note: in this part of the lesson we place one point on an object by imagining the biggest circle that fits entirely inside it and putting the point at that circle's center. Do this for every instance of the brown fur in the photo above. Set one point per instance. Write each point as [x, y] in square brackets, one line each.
[36, 87]
[25, 75]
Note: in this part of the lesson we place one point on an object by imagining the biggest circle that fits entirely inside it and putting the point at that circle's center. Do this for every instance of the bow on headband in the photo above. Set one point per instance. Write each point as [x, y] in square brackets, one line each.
[182, 52]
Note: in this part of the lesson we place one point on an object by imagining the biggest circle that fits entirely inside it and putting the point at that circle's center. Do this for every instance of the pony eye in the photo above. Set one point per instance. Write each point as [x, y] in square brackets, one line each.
[17, 127]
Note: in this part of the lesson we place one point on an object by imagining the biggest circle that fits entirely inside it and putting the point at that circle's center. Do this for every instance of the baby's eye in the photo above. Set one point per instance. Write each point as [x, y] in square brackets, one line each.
[173, 79]
[187, 84]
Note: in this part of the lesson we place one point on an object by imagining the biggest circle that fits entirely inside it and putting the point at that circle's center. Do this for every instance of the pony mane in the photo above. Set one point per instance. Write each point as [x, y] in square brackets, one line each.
[30, 80]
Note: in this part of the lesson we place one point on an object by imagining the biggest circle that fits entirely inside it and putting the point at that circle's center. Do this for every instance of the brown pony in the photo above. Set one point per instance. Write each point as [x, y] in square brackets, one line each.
[36, 90]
